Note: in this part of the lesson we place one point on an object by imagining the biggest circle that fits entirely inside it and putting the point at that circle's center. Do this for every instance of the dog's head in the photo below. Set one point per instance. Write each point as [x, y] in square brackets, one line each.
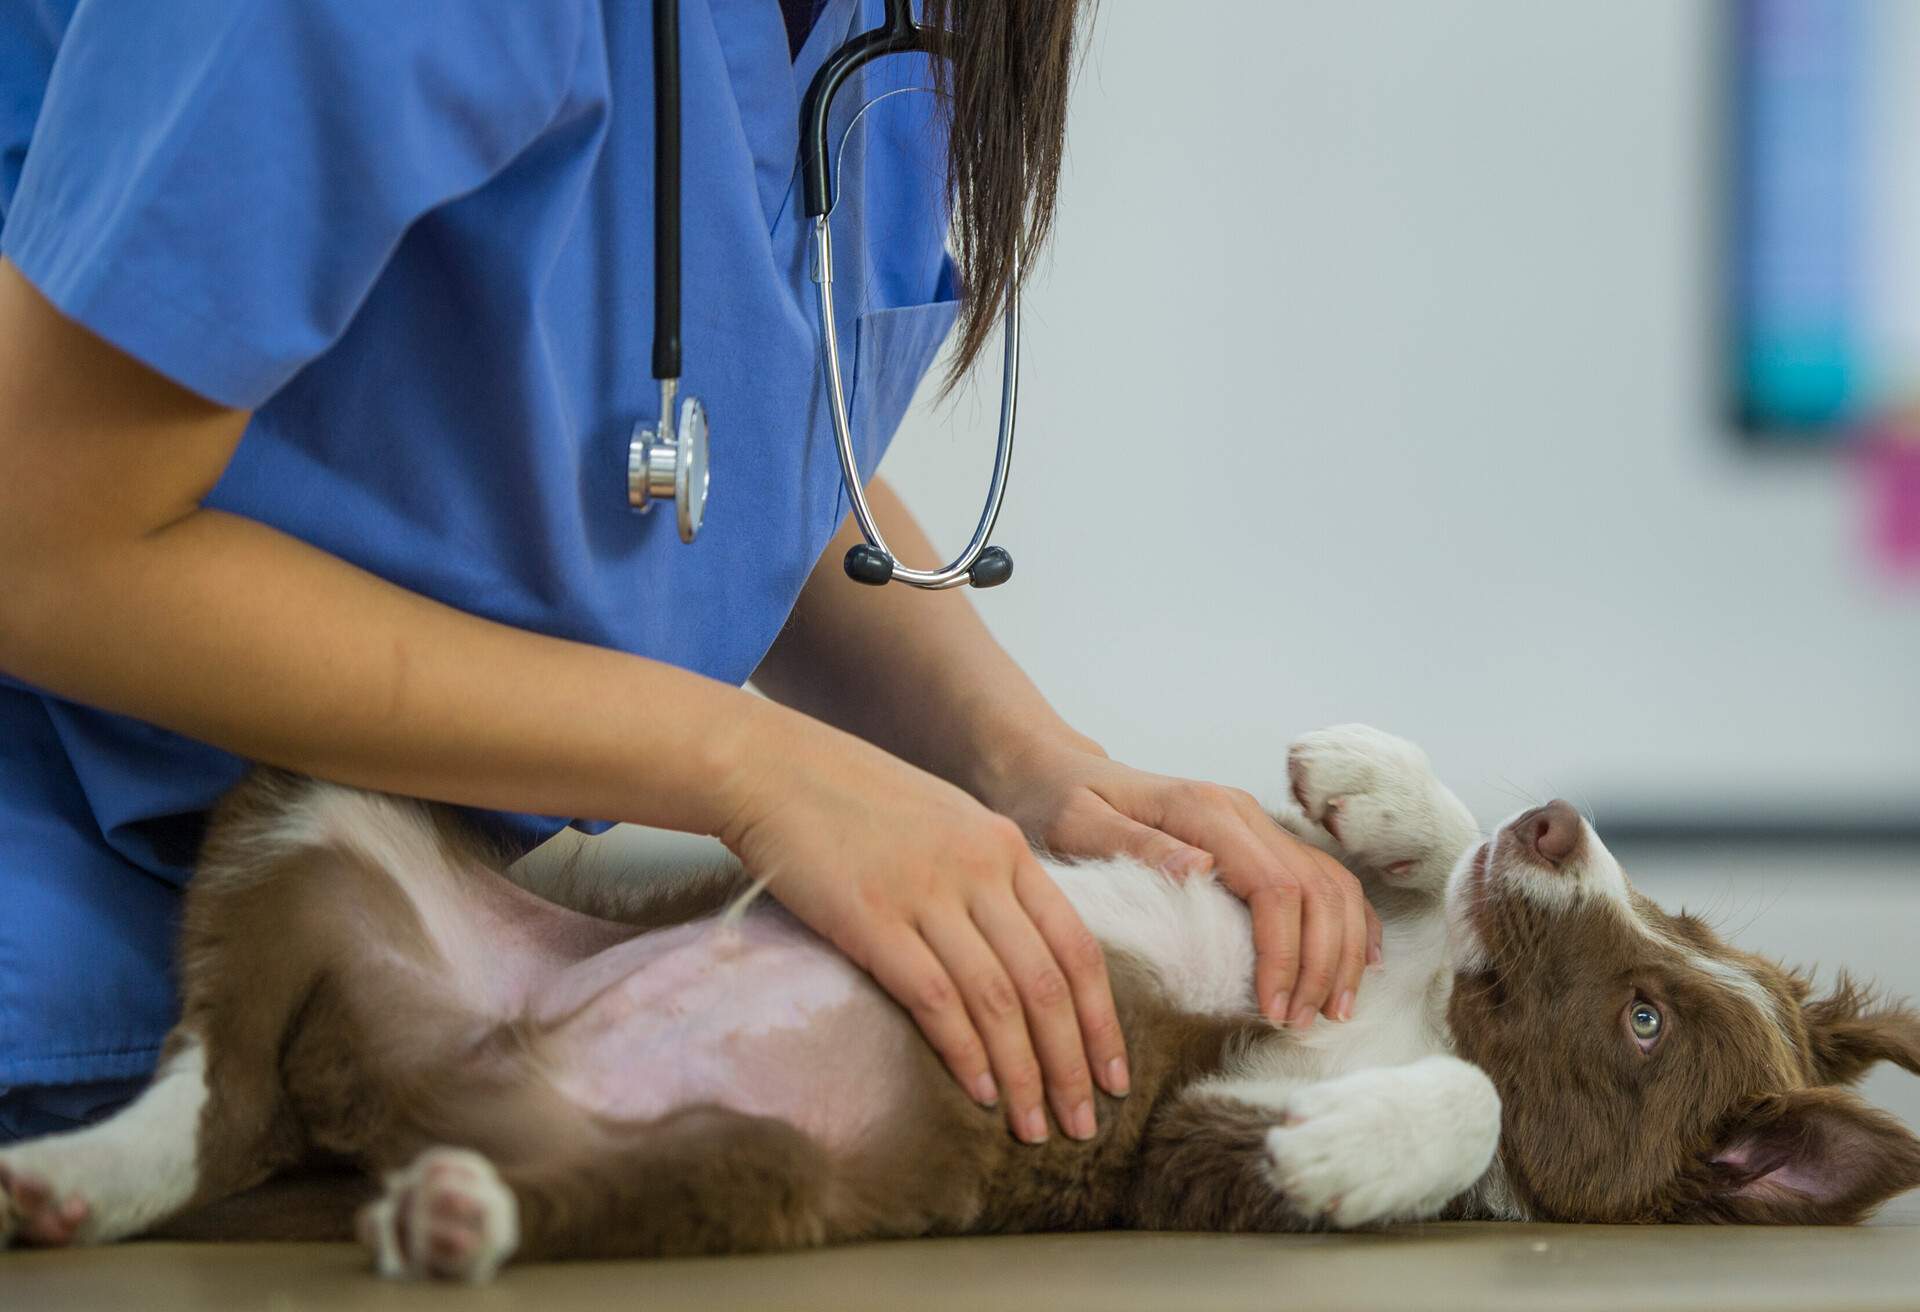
[1649, 1071]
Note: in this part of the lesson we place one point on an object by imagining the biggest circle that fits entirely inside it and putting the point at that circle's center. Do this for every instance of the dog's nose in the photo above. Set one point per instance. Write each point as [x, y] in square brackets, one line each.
[1553, 831]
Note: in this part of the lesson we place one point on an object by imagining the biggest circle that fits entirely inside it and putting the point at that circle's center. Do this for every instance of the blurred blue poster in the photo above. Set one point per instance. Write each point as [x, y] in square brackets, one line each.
[1826, 216]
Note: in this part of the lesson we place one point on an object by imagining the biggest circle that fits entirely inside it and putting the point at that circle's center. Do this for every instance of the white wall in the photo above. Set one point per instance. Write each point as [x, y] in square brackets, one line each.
[1372, 377]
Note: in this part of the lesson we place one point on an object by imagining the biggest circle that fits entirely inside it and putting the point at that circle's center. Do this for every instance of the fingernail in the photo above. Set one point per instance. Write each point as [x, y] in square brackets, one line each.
[1032, 1126]
[985, 1092]
[1343, 1006]
[1302, 1016]
[1186, 862]
[1277, 1008]
[1119, 1083]
[1373, 954]
[1080, 1124]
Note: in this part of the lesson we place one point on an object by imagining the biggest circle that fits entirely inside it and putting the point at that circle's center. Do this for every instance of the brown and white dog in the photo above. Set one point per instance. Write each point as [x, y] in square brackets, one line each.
[691, 1073]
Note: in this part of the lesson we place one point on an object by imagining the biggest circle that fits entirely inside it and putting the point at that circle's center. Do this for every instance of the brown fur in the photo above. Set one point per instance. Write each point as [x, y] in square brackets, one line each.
[303, 978]
[331, 1031]
[1596, 1129]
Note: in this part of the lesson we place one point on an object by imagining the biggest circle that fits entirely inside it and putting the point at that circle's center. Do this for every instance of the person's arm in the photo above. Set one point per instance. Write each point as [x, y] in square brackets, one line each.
[119, 589]
[919, 674]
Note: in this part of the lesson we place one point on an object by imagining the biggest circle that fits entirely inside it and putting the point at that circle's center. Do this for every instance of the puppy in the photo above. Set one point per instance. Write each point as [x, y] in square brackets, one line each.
[690, 1072]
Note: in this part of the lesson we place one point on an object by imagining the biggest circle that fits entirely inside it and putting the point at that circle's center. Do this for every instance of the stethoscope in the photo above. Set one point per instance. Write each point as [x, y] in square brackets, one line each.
[667, 461]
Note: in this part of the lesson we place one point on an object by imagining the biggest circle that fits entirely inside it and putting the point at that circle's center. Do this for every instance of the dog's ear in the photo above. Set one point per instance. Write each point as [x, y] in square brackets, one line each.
[1848, 1033]
[1809, 1157]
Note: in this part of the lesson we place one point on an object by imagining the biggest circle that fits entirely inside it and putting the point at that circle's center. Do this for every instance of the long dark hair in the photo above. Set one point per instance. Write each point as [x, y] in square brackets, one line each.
[1005, 83]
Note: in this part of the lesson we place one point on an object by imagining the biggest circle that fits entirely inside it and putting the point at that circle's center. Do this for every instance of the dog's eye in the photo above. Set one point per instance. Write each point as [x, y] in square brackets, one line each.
[1644, 1020]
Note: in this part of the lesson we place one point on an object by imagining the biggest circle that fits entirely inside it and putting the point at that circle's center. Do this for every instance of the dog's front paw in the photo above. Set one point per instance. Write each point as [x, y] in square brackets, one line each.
[1385, 1145]
[35, 1211]
[1376, 796]
[447, 1216]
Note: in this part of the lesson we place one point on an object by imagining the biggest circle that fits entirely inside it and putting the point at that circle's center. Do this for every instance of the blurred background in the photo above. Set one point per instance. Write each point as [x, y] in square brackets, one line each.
[1523, 378]
[1380, 371]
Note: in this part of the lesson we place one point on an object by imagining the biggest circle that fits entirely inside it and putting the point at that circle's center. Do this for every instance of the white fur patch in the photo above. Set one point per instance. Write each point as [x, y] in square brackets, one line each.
[1494, 1197]
[1194, 933]
[137, 1167]
[1385, 1144]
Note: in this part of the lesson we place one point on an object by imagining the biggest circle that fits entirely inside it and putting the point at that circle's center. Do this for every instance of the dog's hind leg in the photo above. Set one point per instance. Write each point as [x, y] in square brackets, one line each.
[701, 1181]
[214, 1119]
[262, 930]
[115, 1178]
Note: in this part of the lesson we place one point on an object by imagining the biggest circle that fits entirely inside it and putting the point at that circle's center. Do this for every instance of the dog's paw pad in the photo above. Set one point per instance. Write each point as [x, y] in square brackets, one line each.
[1376, 796]
[33, 1212]
[448, 1216]
[1329, 768]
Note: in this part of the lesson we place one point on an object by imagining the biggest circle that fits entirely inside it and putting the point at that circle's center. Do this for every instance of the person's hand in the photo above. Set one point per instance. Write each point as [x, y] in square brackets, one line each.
[943, 903]
[1312, 928]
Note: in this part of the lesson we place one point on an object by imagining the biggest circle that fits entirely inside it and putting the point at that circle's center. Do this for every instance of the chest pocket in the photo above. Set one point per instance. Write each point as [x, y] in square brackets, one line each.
[893, 349]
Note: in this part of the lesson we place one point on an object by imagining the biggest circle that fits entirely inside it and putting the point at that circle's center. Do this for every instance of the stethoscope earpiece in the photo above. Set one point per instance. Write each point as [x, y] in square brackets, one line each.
[870, 565]
[993, 568]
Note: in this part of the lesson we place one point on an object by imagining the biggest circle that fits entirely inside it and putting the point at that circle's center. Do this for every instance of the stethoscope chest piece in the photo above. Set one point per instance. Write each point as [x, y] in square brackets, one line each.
[669, 464]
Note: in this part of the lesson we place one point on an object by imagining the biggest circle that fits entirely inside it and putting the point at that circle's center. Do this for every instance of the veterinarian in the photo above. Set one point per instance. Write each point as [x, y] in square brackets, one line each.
[323, 328]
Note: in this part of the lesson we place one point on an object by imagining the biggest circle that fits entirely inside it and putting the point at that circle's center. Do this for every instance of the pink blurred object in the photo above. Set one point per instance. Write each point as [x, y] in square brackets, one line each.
[1890, 465]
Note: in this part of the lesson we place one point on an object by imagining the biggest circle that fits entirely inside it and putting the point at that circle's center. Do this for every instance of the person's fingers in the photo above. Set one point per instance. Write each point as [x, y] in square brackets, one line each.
[1275, 908]
[999, 1015]
[1359, 941]
[1322, 925]
[1298, 896]
[1080, 956]
[1353, 952]
[1099, 830]
[1047, 998]
[1376, 935]
[1284, 879]
[906, 967]
[1268, 861]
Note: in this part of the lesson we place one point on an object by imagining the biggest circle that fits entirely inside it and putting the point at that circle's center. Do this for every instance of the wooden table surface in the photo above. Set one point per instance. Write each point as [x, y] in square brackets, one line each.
[1464, 1266]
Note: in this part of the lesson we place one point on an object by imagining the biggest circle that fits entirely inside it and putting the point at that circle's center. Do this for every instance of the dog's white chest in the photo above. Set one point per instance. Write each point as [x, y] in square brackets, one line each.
[1198, 938]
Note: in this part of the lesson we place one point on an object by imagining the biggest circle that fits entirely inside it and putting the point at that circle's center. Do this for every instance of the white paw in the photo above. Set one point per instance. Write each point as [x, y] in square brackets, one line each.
[447, 1216]
[1377, 797]
[1393, 1144]
[33, 1210]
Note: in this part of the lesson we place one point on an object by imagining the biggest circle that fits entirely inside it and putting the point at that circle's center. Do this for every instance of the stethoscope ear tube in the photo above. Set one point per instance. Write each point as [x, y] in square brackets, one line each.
[901, 35]
[873, 562]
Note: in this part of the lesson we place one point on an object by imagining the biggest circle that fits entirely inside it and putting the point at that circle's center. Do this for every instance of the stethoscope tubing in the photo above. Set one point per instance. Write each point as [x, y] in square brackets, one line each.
[957, 571]
[667, 463]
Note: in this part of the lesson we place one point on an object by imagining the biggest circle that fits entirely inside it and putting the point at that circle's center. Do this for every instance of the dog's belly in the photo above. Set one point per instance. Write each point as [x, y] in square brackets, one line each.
[762, 1017]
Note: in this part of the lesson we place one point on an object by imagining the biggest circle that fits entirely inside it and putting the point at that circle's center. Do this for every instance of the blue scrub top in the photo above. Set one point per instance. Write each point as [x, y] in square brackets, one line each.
[416, 239]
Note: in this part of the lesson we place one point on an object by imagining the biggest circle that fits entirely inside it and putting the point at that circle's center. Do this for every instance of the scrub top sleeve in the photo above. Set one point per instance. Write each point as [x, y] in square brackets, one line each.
[214, 185]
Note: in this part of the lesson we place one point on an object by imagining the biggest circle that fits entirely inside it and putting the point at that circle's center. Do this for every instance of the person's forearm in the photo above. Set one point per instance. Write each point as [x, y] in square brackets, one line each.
[912, 671]
[120, 590]
[230, 632]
